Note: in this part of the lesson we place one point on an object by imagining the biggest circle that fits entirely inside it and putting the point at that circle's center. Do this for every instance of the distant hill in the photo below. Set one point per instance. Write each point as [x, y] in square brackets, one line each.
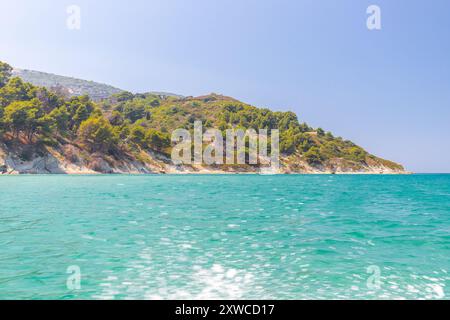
[72, 86]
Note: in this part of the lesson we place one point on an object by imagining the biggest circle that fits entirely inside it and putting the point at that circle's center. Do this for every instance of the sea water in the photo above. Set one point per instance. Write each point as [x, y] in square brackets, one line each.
[225, 237]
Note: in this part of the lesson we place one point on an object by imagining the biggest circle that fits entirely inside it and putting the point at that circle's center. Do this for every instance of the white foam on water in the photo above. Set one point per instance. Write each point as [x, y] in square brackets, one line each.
[142, 280]
[161, 279]
[438, 290]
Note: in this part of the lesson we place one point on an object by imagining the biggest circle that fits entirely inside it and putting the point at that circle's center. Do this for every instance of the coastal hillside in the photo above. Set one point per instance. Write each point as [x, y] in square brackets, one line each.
[44, 130]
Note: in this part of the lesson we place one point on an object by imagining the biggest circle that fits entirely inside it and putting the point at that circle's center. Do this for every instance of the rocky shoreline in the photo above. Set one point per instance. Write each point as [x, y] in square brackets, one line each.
[69, 159]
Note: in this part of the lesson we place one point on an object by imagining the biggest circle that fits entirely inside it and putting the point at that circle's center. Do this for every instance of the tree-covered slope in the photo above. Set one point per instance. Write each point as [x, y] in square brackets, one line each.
[128, 130]
[299, 143]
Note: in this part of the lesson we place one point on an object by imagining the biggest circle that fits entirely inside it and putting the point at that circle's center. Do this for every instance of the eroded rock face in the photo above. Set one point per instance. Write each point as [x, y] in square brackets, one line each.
[39, 165]
[100, 165]
[27, 160]
[3, 155]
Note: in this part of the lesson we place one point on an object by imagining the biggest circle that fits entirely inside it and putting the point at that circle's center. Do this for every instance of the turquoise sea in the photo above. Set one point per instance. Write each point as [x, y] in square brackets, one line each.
[225, 237]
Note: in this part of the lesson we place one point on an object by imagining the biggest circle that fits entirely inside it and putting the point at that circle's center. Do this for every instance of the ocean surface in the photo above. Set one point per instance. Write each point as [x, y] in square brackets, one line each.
[225, 237]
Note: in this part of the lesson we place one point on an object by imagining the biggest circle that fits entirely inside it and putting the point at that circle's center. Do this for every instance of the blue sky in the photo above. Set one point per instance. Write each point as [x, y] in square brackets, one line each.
[387, 90]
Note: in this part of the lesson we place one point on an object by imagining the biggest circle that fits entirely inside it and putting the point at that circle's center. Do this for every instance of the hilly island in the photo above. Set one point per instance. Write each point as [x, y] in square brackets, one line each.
[55, 124]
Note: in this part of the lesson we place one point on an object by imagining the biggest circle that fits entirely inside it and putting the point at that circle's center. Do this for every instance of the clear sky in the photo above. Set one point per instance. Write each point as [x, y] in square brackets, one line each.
[387, 90]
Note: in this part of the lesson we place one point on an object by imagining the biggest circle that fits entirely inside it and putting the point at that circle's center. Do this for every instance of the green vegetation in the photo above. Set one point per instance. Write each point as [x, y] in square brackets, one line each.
[131, 123]
[97, 133]
[5, 73]
[216, 111]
